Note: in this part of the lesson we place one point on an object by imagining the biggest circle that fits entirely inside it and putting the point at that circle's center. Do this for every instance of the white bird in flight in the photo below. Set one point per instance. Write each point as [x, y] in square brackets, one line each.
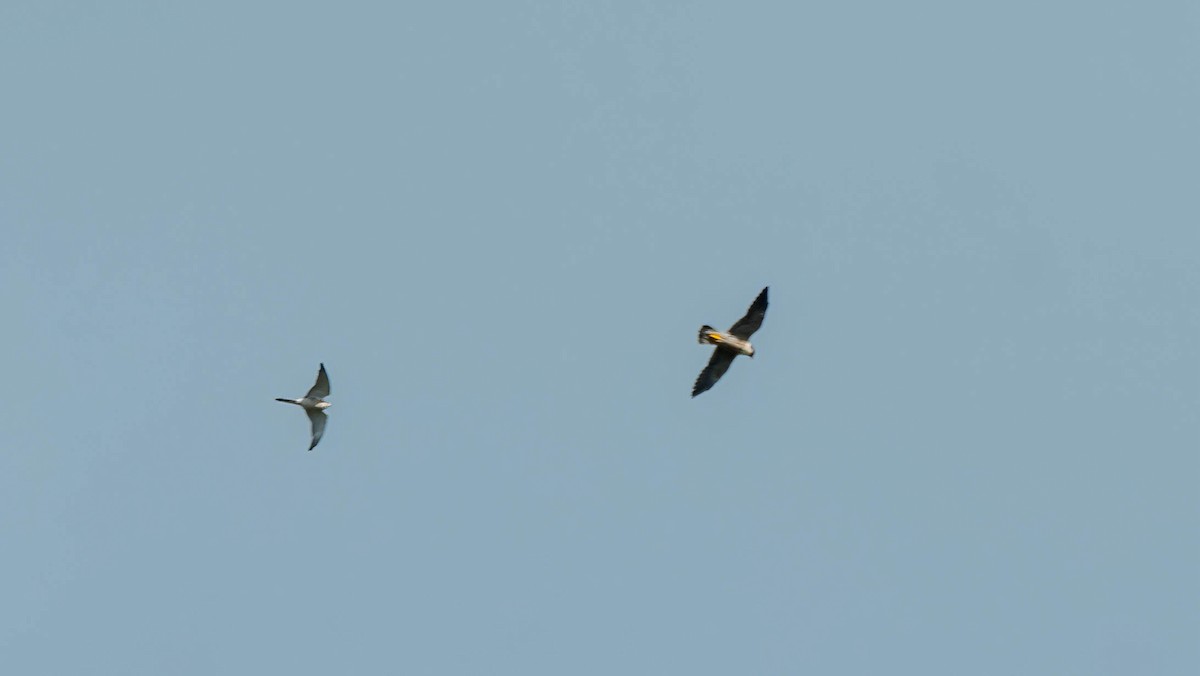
[314, 405]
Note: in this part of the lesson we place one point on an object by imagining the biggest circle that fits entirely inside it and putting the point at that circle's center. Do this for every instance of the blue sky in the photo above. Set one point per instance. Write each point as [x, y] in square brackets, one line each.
[967, 443]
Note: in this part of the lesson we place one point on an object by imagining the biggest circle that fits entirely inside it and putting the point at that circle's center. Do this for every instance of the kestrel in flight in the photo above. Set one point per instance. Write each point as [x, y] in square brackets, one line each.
[730, 344]
[314, 405]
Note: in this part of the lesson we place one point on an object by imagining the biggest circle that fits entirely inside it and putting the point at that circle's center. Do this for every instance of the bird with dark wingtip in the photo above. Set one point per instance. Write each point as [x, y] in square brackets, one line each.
[314, 405]
[730, 344]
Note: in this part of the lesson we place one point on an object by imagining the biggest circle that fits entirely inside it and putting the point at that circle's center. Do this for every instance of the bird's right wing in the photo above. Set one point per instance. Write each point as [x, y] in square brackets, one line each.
[746, 326]
[318, 426]
[717, 366]
[320, 389]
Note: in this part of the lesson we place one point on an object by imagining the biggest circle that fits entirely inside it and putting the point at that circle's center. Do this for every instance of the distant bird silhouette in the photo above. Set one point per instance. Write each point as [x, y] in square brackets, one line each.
[730, 344]
[314, 405]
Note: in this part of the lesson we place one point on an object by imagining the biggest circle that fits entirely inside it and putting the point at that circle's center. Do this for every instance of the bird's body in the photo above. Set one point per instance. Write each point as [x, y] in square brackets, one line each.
[307, 402]
[729, 344]
[711, 336]
[314, 405]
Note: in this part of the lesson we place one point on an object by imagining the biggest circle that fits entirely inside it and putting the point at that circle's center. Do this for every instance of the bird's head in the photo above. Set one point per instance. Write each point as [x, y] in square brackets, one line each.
[751, 355]
[322, 405]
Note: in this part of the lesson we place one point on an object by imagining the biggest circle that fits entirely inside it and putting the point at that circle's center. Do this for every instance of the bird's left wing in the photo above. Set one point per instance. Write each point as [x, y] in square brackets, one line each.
[717, 366]
[318, 426]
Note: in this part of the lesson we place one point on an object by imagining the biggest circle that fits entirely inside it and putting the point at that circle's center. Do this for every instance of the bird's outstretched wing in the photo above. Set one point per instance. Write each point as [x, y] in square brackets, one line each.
[717, 366]
[746, 326]
[320, 389]
[318, 426]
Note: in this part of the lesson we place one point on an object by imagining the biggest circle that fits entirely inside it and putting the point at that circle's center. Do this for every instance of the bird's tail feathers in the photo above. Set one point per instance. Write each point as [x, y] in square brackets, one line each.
[706, 335]
[287, 401]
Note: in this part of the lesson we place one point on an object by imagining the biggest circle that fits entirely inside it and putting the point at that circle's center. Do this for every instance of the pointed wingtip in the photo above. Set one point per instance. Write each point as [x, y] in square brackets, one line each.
[761, 301]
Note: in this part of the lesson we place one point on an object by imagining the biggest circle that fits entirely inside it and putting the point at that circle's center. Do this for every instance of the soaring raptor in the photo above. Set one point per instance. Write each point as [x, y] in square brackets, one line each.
[730, 344]
[314, 405]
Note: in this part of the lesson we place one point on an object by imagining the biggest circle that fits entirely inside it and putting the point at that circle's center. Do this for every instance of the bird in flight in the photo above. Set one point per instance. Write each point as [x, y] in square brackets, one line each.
[730, 344]
[314, 405]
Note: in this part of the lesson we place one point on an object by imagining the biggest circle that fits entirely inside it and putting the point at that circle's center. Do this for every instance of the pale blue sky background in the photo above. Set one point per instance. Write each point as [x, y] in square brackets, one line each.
[967, 445]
